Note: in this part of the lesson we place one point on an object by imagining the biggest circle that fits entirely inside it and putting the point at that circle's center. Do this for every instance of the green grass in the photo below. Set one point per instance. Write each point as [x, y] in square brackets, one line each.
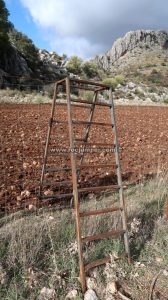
[165, 101]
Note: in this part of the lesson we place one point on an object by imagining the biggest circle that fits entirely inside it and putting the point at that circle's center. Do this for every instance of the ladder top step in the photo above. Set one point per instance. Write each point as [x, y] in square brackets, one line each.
[99, 103]
[89, 82]
[98, 188]
[99, 211]
[113, 233]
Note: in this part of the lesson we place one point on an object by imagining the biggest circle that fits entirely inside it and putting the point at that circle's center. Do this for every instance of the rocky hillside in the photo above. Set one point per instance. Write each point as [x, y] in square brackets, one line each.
[125, 50]
[14, 63]
[19, 57]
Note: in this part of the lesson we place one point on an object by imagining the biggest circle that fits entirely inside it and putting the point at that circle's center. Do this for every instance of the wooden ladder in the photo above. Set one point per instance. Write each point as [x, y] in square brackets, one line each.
[75, 168]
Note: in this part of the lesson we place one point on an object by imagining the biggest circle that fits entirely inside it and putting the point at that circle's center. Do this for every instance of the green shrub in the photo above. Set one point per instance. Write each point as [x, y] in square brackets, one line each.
[120, 79]
[87, 95]
[114, 81]
[90, 69]
[74, 65]
[111, 82]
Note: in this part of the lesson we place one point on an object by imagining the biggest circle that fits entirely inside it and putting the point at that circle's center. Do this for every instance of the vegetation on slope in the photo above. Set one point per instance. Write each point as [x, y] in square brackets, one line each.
[25, 46]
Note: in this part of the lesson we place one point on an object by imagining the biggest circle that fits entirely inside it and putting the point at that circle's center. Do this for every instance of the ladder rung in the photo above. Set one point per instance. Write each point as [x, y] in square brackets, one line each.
[60, 122]
[56, 183]
[59, 153]
[82, 142]
[113, 233]
[48, 169]
[97, 263]
[74, 105]
[102, 261]
[79, 140]
[97, 188]
[90, 102]
[56, 153]
[91, 123]
[97, 166]
[54, 197]
[98, 212]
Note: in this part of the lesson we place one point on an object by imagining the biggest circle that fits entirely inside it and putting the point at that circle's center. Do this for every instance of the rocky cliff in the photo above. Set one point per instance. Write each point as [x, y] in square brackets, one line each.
[13, 64]
[127, 49]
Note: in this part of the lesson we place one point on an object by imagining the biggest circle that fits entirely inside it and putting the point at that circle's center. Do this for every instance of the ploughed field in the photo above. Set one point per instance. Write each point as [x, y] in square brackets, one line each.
[143, 138]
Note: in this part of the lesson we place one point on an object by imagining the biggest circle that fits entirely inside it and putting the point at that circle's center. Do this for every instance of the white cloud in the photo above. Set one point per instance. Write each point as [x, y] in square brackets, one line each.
[88, 27]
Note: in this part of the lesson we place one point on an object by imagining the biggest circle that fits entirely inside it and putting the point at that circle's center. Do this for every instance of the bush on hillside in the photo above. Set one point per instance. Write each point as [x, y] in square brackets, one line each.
[114, 81]
[74, 65]
[90, 69]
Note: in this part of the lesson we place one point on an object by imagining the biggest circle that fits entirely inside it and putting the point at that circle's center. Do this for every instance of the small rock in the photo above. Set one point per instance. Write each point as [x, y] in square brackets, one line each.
[111, 287]
[165, 273]
[91, 283]
[25, 194]
[47, 294]
[72, 294]
[90, 295]
[31, 207]
[131, 85]
[48, 193]
[25, 165]
[3, 275]
[159, 259]
[139, 139]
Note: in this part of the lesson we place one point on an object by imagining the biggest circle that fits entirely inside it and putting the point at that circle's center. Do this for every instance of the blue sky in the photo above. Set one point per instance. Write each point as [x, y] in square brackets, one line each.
[23, 21]
[83, 27]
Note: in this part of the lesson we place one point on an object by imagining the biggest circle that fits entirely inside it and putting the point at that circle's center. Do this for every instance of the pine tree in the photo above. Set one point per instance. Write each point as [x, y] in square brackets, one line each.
[5, 26]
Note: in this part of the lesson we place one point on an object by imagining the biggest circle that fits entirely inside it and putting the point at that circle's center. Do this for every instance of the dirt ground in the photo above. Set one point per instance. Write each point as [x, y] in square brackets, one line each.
[143, 138]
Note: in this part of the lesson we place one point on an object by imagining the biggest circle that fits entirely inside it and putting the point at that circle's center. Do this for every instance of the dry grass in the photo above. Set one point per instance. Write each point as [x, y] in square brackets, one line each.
[39, 251]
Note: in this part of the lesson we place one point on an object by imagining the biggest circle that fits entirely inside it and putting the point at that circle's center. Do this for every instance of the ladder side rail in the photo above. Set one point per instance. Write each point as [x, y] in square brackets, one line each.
[75, 188]
[119, 178]
[48, 136]
[89, 125]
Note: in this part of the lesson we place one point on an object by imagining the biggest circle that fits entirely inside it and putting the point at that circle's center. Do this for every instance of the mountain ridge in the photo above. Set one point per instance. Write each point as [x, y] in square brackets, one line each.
[134, 42]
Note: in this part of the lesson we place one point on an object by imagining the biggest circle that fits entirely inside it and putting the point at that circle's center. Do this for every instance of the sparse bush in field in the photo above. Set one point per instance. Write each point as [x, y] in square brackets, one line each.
[165, 101]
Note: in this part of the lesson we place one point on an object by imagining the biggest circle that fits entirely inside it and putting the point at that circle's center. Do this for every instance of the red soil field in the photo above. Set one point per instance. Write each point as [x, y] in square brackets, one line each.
[143, 138]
